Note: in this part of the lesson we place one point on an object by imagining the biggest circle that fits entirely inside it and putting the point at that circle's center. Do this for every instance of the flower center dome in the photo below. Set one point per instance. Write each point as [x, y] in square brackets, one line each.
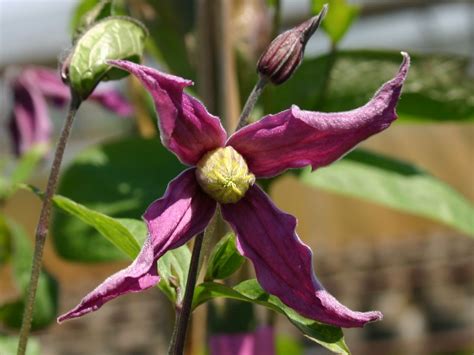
[224, 175]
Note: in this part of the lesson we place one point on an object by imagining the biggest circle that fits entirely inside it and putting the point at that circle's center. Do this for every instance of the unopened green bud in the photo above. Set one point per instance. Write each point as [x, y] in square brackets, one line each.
[224, 175]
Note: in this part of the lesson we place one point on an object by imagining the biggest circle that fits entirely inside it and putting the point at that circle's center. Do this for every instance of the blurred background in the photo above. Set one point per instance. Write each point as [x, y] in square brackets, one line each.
[418, 272]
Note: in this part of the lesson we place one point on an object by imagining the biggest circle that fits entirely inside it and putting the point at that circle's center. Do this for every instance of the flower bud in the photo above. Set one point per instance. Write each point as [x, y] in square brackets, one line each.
[285, 53]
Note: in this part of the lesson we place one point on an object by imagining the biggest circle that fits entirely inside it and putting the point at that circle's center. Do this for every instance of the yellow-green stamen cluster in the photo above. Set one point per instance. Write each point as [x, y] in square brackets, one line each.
[223, 174]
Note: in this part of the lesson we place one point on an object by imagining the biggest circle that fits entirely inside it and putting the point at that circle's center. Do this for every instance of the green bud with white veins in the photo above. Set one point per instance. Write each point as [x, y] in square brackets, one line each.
[224, 175]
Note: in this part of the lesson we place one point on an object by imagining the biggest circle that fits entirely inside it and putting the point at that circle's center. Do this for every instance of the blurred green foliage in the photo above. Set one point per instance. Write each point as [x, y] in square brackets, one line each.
[119, 179]
[328, 336]
[396, 184]
[21, 255]
[339, 18]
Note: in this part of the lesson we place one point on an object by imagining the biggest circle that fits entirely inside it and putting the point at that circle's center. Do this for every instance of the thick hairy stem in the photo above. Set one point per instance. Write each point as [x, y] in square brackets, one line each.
[42, 227]
[184, 313]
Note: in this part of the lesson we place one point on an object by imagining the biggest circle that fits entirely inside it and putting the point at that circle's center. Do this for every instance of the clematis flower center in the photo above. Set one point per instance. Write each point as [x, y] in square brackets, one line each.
[224, 175]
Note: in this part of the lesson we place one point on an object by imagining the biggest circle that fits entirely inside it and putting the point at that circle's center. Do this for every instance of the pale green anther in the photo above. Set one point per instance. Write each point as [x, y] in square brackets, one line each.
[224, 175]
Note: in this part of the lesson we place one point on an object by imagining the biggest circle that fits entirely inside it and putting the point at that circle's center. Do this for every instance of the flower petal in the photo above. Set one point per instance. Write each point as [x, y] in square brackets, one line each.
[259, 342]
[181, 213]
[112, 100]
[49, 83]
[29, 122]
[187, 129]
[295, 138]
[283, 264]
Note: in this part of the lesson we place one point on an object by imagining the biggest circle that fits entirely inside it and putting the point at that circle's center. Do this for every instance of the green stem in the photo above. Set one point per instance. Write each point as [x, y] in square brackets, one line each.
[184, 312]
[42, 227]
[251, 101]
[174, 335]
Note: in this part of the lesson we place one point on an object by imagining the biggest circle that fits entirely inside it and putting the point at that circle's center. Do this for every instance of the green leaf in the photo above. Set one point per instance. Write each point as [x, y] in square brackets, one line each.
[46, 304]
[287, 345]
[22, 171]
[394, 184]
[9, 344]
[114, 230]
[119, 179]
[128, 235]
[111, 38]
[435, 90]
[27, 164]
[81, 9]
[339, 18]
[328, 336]
[173, 268]
[88, 12]
[224, 259]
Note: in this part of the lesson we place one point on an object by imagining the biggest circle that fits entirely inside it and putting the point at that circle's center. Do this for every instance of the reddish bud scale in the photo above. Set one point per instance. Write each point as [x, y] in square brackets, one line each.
[285, 52]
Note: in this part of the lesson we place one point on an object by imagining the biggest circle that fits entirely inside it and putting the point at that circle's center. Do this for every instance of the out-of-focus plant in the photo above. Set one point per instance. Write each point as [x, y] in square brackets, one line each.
[96, 221]
[83, 69]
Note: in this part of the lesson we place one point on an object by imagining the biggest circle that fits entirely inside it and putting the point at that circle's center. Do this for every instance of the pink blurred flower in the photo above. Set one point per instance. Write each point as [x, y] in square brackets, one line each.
[30, 123]
[223, 172]
[259, 342]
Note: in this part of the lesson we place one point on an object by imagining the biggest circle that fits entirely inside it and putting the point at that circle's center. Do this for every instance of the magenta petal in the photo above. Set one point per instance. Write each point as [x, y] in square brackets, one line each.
[139, 276]
[295, 138]
[259, 342]
[187, 129]
[50, 85]
[192, 210]
[181, 213]
[29, 122]
[283, 264]
[112, 100]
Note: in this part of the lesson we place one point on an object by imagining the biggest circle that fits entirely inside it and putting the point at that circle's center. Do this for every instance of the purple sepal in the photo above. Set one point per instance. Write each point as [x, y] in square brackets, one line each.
[186, 127]
[296, 138]
[283, 263]
[181, 213]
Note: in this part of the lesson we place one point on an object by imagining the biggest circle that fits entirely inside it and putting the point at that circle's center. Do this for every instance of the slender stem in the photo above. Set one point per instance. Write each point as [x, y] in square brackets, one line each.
[42, 227]
[185, 312]
[251, 101]
[174, 335]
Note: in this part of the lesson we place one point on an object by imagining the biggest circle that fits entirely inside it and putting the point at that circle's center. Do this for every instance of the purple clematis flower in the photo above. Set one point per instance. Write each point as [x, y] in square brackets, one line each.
[223, 172]
[30, 123]
[259, 342]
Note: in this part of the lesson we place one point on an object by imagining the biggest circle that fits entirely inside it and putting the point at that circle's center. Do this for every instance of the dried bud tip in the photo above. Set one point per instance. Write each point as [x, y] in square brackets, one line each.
[310, 26]
[285, 52]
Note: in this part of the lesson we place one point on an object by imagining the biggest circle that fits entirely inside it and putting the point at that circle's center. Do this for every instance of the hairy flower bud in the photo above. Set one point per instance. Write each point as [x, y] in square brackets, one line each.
[223, 174]
[285, 53]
